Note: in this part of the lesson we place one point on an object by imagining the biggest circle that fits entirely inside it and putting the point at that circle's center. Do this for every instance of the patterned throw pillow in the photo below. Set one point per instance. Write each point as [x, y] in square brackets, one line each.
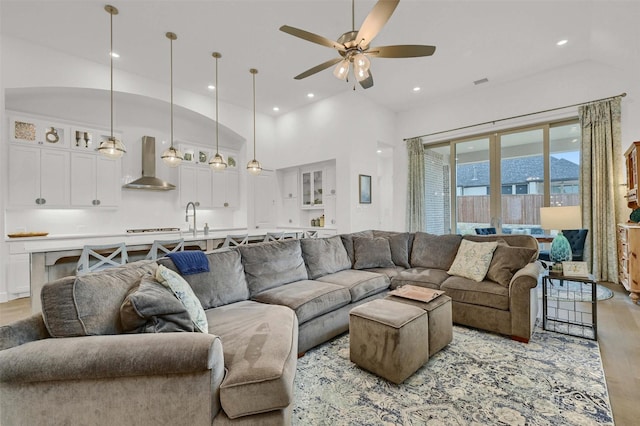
[473, 260]
[173, 281]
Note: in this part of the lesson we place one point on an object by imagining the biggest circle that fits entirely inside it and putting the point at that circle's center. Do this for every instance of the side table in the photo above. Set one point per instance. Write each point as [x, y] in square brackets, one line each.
[568, 307]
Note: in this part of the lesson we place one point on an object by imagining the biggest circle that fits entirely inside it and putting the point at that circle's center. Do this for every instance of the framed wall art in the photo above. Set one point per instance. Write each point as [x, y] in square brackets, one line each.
[364, 189]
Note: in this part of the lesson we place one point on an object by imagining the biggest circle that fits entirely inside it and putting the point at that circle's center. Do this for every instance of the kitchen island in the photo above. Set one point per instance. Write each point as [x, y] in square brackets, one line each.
[38, 260]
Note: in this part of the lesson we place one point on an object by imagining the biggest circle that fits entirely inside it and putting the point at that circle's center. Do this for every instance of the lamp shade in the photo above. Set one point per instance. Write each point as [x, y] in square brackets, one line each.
[559, 218]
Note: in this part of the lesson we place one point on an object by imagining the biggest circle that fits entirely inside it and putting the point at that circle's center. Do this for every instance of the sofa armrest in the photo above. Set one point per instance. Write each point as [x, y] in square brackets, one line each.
[111, 356]
[523, 303]
[23, 331]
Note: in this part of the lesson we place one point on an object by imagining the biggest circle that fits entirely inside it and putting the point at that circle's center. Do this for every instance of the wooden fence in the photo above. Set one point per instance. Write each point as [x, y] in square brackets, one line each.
[521, 209]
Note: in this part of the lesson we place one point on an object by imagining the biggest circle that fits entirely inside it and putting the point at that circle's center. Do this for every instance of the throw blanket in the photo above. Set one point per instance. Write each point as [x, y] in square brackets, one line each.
[190, 261]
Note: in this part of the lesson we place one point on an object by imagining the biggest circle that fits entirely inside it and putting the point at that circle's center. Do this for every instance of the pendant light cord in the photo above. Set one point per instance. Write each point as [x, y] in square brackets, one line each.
[353, 15]
[111, 66]
[217, 91]
[171, 83]
[254, 113]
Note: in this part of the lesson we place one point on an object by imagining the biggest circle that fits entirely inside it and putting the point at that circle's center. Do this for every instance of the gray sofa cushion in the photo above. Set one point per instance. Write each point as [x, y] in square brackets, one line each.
[309, 299]
[89, 305]
[389, 272]
[484, 293]
[361, 284]
[224, 283]
[347, 241]
[260, 344]
[400, 244]
[507, 261]
[434, 251]
[153, 308]
[269, 265]
[324, 256]
[423, 277]
[371, 253]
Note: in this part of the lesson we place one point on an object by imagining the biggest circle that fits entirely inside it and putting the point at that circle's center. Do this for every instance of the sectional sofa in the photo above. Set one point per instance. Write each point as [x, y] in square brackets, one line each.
[118, 346]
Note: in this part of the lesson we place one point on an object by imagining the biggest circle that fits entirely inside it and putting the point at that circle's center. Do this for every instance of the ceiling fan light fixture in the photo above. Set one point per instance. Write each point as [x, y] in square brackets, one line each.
[360, 60]
[341, 71]
[361, 73]
[112, 147]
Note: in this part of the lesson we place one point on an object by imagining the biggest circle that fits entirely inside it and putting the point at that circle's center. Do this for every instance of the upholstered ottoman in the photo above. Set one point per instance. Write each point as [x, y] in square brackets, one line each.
[440, 319]
[389, 339]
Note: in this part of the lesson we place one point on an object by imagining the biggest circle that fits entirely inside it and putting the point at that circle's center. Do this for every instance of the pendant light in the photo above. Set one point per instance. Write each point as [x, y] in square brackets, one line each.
[172, 157]
[217, 162]
[254, 166]
[112, 147]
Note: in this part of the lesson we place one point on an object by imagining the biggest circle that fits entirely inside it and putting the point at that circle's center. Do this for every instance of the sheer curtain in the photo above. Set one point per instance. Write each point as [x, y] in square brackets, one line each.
[601, 160]
[415, 186]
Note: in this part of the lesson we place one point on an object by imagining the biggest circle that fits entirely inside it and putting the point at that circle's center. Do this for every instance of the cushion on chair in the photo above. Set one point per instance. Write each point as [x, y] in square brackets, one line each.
[324, 256]
[89, 304]
[361, 284]
[484, 293]
[224, 283]
[371, 253]
[153, 308]
[347, 240]
[434, 251]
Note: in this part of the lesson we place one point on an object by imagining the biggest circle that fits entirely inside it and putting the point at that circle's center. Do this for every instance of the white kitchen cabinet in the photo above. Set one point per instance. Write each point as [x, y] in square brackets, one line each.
[290, 184]
[95, 180]
[312, 190]
[196, 185]
[226, 189]
[18, 273]
[38, 177]
[264, 200]
[290, 212]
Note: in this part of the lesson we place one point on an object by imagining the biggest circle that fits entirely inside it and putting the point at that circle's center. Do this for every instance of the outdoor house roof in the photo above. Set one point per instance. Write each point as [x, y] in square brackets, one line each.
[516, 171]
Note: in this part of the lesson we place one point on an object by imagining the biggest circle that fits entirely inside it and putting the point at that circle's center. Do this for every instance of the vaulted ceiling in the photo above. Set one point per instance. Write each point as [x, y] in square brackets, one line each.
[498, 40]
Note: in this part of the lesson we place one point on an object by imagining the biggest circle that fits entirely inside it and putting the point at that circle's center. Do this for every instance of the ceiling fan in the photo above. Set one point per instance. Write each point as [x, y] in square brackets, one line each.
[354, 46]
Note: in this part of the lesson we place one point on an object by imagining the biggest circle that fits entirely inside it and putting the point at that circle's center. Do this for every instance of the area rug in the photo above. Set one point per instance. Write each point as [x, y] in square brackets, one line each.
[479, 379]
[572, 291]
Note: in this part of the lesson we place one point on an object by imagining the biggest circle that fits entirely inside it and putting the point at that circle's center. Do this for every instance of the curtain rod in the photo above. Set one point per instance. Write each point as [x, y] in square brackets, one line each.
[622, 95]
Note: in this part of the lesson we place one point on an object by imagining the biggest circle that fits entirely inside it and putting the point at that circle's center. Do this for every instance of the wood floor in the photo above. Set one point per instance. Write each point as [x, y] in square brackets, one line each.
[618, 336]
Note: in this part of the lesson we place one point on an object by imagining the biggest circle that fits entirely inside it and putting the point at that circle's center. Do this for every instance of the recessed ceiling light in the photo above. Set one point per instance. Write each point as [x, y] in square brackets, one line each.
[379, 151]
[310, 95]
[114, 55]
[211, 87]
[275, 108]
[574, 140]
[562, 42]
[416, 89]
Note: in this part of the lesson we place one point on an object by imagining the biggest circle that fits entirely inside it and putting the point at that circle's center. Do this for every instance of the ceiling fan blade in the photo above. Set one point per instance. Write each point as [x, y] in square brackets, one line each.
[317, 68]
[375, 20]
[401, 51]
[367, 82]
[314, 38]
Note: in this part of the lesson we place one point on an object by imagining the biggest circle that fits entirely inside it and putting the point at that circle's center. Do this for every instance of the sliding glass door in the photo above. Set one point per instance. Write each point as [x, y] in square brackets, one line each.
[502, 179]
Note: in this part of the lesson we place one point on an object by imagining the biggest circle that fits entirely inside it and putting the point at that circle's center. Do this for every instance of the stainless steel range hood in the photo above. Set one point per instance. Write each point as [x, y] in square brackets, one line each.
[148, 180]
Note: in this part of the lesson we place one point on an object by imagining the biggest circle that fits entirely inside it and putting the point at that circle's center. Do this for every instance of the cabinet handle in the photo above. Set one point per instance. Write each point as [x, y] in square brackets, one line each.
[40, 201]
[290, 195]
[226, 204]
[96, 202]
[333, 192]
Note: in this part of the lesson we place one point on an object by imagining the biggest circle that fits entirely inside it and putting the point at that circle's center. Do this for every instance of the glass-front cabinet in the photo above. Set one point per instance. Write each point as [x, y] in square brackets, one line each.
[312, 189]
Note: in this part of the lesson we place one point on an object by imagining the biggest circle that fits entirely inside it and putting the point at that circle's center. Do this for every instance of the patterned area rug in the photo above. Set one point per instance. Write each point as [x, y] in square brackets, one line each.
[479, 379]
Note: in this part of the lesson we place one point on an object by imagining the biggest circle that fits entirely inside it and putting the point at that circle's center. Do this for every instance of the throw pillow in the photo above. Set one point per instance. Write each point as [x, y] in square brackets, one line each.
[473, 260]
[399, 245]
[153, 308]
[434, 251]
[324, 256]
[371, 253]
[347, 241]
[508, 260]
[173, 281]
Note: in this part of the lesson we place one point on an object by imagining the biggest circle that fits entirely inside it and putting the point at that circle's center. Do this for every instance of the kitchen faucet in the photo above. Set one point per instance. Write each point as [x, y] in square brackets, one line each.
[186, 217]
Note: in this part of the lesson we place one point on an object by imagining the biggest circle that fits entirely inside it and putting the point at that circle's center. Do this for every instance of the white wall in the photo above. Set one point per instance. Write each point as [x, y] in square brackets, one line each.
[579, 82]
[346, 128]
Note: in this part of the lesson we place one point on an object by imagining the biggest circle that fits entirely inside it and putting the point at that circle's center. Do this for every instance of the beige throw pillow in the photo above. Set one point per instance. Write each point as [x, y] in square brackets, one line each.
[473, 260]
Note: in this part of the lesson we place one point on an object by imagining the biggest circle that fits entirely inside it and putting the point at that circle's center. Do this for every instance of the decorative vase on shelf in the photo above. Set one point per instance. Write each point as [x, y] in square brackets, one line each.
[635, 216]
[560, 249]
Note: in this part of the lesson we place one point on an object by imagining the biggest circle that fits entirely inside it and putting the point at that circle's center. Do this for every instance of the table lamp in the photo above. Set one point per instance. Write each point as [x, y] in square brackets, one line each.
[559, 218]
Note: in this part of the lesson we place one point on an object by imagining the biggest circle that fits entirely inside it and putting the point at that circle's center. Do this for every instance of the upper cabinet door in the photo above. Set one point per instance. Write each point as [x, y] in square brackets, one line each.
[55, 178]
[108, 185]
[83, 179]
[24, 176]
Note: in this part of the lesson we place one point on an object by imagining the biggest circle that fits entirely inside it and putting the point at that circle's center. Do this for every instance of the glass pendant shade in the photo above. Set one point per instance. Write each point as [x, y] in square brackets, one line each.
[341, 71]
[217, 163]
[112, 148]
[361, 66]
[254, 167]
[172, 157]
[560, 249]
